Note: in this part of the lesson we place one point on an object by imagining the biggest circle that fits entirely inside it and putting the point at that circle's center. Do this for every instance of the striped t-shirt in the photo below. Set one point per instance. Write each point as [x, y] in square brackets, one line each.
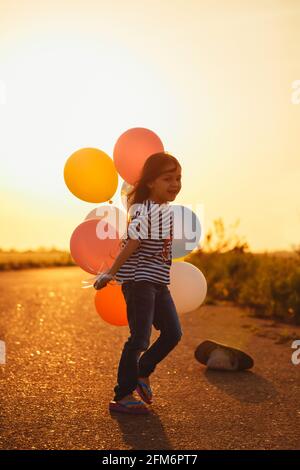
[153, 225]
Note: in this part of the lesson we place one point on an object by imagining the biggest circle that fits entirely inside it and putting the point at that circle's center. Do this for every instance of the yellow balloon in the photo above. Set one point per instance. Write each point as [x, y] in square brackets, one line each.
[91, 175]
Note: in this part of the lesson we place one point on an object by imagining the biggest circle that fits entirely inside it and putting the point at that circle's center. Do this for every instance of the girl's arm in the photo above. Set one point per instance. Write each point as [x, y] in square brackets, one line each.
[127, 251]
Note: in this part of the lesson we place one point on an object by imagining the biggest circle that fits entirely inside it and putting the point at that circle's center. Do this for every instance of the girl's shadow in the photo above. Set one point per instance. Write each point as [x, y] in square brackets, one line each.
[143, 432]
[245, 386]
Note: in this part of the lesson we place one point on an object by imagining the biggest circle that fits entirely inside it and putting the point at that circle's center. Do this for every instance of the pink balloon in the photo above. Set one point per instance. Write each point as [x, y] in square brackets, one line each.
[132, 149]
[94, 245]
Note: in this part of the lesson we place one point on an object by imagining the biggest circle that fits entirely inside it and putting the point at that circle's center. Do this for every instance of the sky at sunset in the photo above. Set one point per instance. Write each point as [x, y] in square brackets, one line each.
[213, 79]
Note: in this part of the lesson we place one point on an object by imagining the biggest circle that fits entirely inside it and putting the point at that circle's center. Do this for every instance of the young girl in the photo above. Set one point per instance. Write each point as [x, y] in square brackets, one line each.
[143, 268]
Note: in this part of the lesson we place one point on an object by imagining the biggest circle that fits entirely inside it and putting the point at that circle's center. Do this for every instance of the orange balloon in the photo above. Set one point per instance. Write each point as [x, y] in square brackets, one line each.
[132, 149]
[91, 175]
[111, 305]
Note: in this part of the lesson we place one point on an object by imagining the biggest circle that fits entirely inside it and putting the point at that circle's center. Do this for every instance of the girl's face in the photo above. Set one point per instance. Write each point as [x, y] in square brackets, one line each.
[166, 186]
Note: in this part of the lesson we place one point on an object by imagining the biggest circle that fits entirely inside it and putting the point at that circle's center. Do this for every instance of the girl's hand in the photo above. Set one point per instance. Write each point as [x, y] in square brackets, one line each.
[103, 280]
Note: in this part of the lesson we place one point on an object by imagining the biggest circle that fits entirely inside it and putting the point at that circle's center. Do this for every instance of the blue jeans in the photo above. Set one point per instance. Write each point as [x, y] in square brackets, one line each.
[147, 303]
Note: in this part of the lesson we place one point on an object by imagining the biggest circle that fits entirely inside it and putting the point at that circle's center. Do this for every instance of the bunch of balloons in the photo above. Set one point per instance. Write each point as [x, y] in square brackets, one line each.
[92, 176]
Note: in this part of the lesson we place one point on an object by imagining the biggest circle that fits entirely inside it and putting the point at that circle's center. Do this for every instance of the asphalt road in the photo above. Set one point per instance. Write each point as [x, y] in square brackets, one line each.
[61, 368]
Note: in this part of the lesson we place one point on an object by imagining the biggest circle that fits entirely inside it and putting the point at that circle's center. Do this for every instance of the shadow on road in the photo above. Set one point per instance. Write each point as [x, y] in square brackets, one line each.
[245, 386]
[142, 432]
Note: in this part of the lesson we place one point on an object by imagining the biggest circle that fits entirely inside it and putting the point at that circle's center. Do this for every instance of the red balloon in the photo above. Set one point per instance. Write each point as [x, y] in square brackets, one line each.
[94, 245]
[131, 151]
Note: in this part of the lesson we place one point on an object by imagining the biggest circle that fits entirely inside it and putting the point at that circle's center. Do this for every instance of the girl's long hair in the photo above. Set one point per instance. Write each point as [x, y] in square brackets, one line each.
[154, 166]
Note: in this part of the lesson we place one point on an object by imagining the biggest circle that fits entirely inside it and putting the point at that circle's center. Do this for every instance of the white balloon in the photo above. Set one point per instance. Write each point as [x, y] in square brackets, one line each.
[113, 215]
[125, 189]
[187, 230]
[188, 286]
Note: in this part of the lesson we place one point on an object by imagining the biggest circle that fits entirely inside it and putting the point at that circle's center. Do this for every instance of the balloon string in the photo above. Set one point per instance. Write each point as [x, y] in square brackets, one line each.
[91, 281]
